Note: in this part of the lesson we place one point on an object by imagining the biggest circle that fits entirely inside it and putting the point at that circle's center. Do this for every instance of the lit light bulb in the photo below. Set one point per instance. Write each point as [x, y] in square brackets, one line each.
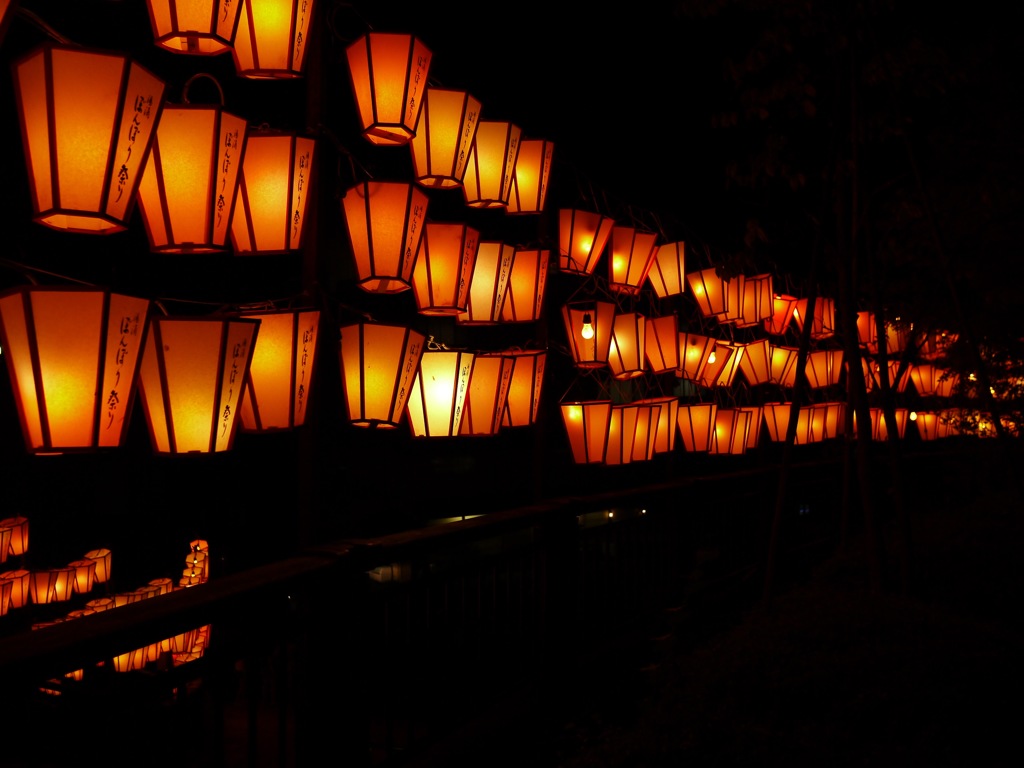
[711, 359]
[588, 327]
[913, 415]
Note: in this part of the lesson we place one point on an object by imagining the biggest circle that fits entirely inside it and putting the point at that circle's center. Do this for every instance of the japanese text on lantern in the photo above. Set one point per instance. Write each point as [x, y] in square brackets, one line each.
[143, 108]
[230, 143]
[237, 352]
[308, 337]
[300, 185]
[129, 329]
[412, 361]
[299, 36]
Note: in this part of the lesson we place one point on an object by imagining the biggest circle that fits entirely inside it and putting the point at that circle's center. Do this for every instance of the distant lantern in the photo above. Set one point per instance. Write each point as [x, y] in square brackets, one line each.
[632, 429]
[385, 222]
[444, 136]
[272, 38]
[525, 383]
[586, 425]
[823, 325]
[626, 353]
[668, 270]
[5, 543]
[19, 581]
[444, 268]
[867, 331]
[588, 328]
[661, 344]
[87, 123]
[632, 255]
[72, 355]
[6, 590]
[201, 27]
[695, 351]
[273, 193]
[782, 361]
[782, 314]
[491, 165]
[389, 82]
[488, 394]
[834, 412]
[697, 426]
[756, 303]
[276, 393]
[824, 367]
[378, 364]
[84, 576]
[755, 362]
[18, 526]
[51, 585]
[191, 379]
[709, 291]
[776, 420]
[929, 379]
[189, 184]
[582, 237]
[102, 559]
[927, 423]
[666, 422]
[524, 298]
[439, 389]
[489, 285]
[733, 288]
[530, 180]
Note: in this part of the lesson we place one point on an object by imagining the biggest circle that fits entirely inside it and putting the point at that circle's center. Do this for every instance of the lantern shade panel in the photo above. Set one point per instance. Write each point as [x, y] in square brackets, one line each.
[754, 426]
[927, 423]
[697, 426]
[627, 351]
[385, 222]
[782, 314]
[488, 394]
[19, 581]
[586, 425]
[443, 137]
[721, 370]
[709, 291]
[84, 575]
[665, 421]
[661, 343]
[582, 237]
[272, 37]
[51, 585]
[489, 284]
[524, 297]
[102, 558]
[18, 526]
[487, 182]
[6, 590]
[588, 327]
[273, 194]
[530, 179]
[389, 81]
[196, 27]
[824, 322]
[694, 352]
[755, 362]
[824, 367]
[191, 379]
[87, 123]
[189, 184]
[667, 275]
[276, 394]
[730, 432]
[378, 364]
[72, 355]
[632, 254]
[439, 391]
[443, 270]
[867, 331]
[734, 289]
[632, 430]
[756, 301]
[526, 381]
[776, 420]
[782, 362]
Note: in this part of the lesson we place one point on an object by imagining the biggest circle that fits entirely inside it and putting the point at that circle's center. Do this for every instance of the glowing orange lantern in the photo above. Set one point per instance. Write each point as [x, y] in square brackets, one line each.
[51, 585]
[189, 184]
[927, 423]
[276, 393]
[527, 378]
[385, 222]
[709, 291]
[867, 331]
[668, 269]
[632, 429]
[87, 122]
[489, 284]
[5, 543]
[389, 81]
[632, 255]
[524, 299]
[530, 180]
[783, 365]
[929, 379]
[755, 362]
[588, 327]
[824, 322]
[444, 268]
[491, 165]
[102, 559]
[72, 355]
[272, 37]
[586, 424]
[754, 426]
[273, 193]
[439, 391]
[730, 432]
[776, 420]
[661, 344]
[6, 590]
[722, 365]
[19, 580]
[488, 394]
[626, 353]
[695, 350]
[664, 421]
[824, 367]
[582, 237]
[201, 28]
[782, 313]
[18, 526]
[378, 364]
[192, 374]
[756, 303]
[444, 136]
[697, 426]
[83, 576]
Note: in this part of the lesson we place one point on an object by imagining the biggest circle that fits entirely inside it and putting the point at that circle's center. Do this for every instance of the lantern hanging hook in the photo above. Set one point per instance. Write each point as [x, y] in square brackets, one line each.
[188, 83]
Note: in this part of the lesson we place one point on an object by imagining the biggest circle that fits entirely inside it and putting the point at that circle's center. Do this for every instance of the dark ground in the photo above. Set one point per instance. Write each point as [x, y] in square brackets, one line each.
[829, 673]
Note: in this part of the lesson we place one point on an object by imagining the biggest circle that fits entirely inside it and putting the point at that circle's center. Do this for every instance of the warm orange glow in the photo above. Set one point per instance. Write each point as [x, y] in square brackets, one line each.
[627, 351]
[589, 352]
[197, 27]
[782, 313]
[754, 426]
[755, 362]
[665, 421]
[378, 364]
[87, 122]
[755, 300]
[18, 542]
[530, 180]
[385, 223]
[697, 426]
[389, 82]
[632, 430]
[439, 389]
[783, 365]
[272, 38]
[273, 193]
[19, 581]
[491, 165]
[824, 367]
[632, 255]
[721, 371]
[83, 575]
[776, 420]
[668, 270]
[488, 394]
[824, 323]
[524, 299]
[102, 559]
[730, 432]
[51, 585]
[927, 423]
[586, 425]
[489, 286]
[526, 381]
[661, 345]
[695, 353]
[444, 135]
[582, 237]
[710, 292]
[444, 268]
[189, 184]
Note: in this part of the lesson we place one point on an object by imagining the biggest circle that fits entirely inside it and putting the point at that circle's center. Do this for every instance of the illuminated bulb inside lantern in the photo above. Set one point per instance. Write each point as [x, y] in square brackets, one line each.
[711, 358]
[913, 415]
[588, 327]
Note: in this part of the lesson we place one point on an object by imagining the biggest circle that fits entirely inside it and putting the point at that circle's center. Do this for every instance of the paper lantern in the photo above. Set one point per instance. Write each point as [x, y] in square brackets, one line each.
[709, 291]
[443, 137]
[697, 426]
[276, 392]
[588, 328]
[833, 418]
[488, 394]
[272, 38]
[626, 353]
[189, 183]
[530, 179]
[83, 575]
[444, 268]
[72, 355]
[776, 420]
[873, 375]
[632, 429]
[582, 237]
[661, 343]
[668, 269]
[389, 82]
[665, 424]
[824, 322]
[927, 423]
[586, 425]
[723, 365]
[102, 558]
[632, 254]
[524, 298]
[492, 160]
[385, 222]
[489, 284]
[191, 379]
[199, 27]
[51, 585]
[930, 379]
[824, 367]
[87, 122]
[438, 395]
[782, 314]
[782, 362]
[756, 303]
[6, 590]
[378, 364]
[5, 543]
[19, 581]
[273, 193]
[867, 332]
[754, 426]
[755, 362]
[526, 381]
[730, 432]
[695, 351]
[18, 526]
